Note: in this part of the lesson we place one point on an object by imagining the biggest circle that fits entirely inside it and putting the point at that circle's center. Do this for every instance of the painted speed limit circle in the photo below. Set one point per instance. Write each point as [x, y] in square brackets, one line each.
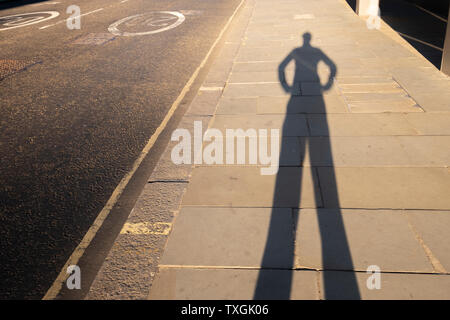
[147, 23]
[25, 19]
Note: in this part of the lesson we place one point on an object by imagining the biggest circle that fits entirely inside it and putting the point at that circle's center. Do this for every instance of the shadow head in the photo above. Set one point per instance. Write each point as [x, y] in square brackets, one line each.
[307, 38]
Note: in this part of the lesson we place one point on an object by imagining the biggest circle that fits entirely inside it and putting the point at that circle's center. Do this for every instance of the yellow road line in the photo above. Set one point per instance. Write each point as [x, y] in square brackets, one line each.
[162, 228]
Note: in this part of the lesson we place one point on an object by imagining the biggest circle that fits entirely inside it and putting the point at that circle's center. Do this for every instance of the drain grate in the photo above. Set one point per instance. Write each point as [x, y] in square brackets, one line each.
[95, 38]
[9, 66]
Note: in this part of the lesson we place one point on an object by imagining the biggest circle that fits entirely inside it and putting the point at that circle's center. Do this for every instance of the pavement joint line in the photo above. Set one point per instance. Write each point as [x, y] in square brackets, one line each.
[320, 295]
[81, 15]
[434, 261]
[349, 109]
[338, 167]
[411, 124]
[408, 94]
[321, 208]
[202, 267]
[57, 285]
[315, 176]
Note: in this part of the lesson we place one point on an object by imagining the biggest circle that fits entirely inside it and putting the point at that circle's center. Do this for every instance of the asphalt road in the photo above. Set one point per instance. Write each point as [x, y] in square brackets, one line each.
[73, 122]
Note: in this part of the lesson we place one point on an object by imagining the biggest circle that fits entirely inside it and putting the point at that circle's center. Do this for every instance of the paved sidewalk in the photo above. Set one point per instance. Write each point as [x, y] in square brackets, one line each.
[364, 174]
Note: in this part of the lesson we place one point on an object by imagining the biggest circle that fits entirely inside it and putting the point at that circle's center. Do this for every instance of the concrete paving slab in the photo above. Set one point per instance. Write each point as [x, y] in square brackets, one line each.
[237, 106]
[360, 72]
[286, 44]
[370, 97]
[433, 102]
[260, 76]
[311, 89]
[365, 147]
[289, 125]
[432, 227]
[430, 123]
[256, 54]
[369, 237]
[221, 68]
[302, 104]
[230, 284]
[385, 124]
[430, 85]
[232, 237]
[343, 81]
[259, 66]
[245, 187]
[408, 76]
[394, 286]
[204, 103]
[387, 151]
[371, 87]
[253, 90]
[409, 188]
[291, 152]
[401, 105]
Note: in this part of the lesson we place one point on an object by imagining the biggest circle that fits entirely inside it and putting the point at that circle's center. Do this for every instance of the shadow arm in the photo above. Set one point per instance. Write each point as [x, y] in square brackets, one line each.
[282, 74]
[333, 71]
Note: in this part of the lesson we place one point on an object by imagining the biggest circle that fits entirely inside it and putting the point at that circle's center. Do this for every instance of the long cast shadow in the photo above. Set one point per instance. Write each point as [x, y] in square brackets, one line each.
[276, 284]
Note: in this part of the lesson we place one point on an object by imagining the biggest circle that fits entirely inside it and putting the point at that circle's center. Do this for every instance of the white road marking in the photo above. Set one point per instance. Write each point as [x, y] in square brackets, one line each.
[21, 16]
[61, 21]
[191, 12]
[115, 31]
[56, 287]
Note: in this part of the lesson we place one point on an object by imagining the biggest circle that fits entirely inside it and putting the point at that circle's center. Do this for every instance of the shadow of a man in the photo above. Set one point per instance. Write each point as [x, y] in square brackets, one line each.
[307, 97]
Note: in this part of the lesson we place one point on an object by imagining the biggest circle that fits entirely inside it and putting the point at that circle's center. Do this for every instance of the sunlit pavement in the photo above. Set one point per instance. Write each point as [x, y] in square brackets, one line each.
[359, 208]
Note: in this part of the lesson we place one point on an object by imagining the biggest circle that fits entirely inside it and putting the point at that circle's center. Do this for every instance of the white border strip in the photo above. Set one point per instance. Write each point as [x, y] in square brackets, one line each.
[57, 285]
[115, 31]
